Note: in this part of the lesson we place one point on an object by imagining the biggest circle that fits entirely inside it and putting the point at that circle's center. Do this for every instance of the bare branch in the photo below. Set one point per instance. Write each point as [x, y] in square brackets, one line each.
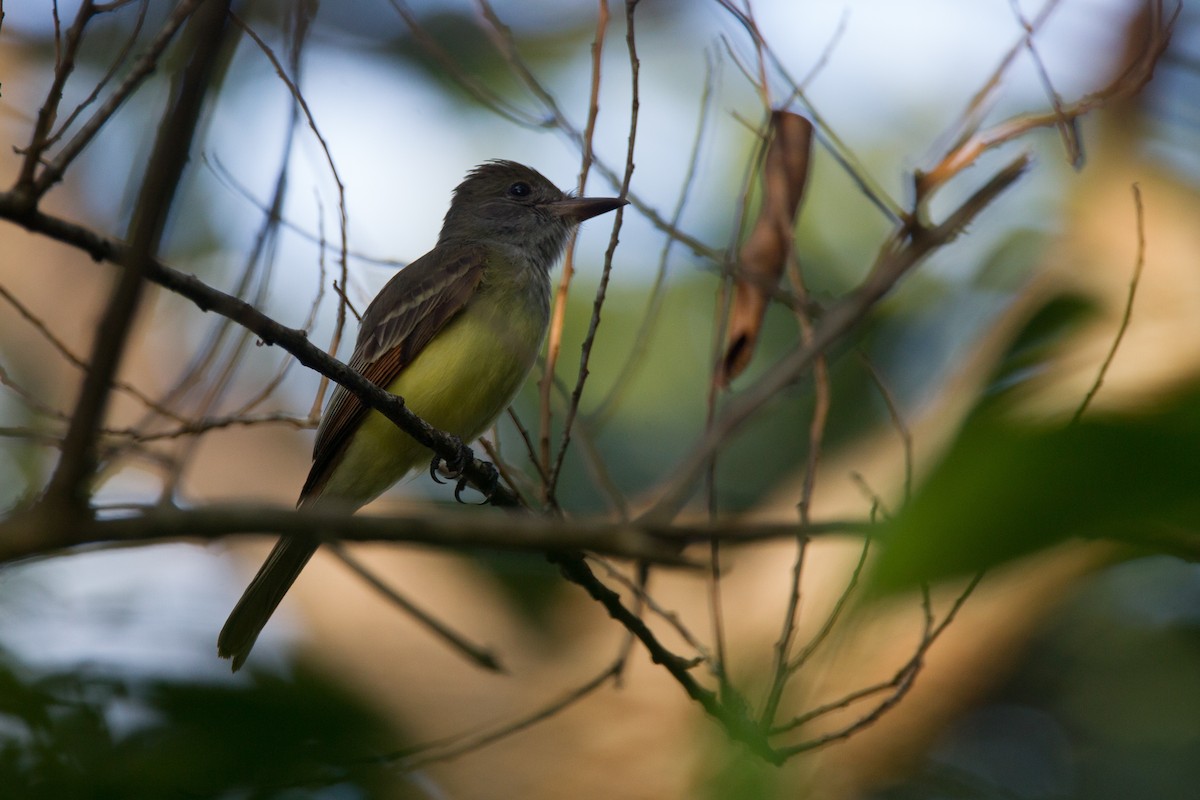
[268, 330]
[589, 338]
[163, 172]
[905, 248]
[974, 142]
[53, 172]
[36, 532]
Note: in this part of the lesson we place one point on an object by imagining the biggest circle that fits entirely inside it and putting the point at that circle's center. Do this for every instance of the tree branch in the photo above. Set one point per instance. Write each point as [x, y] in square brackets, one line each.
[903, 250]
[270, 332]
[33, 533]
[163, 172]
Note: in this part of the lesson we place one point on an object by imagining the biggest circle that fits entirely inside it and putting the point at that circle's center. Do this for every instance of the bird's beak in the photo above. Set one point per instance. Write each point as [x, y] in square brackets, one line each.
[580, 208]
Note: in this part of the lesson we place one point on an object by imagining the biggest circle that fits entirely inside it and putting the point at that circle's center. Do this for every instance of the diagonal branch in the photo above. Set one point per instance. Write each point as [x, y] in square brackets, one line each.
[270, 332]
[726, 707]
[908, 245]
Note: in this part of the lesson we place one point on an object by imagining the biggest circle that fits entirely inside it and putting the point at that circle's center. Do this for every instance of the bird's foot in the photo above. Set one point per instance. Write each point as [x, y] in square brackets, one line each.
[488, 485]
[453, 469]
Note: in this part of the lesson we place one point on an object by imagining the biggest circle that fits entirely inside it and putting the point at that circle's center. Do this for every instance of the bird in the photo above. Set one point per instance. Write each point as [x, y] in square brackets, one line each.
[455, 334]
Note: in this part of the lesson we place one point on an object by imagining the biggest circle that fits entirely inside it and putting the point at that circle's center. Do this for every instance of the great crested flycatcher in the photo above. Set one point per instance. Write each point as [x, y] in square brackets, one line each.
[455, 333]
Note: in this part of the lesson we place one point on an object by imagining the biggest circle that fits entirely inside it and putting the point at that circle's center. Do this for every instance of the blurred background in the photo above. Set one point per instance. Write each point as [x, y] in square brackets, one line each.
[1072, 672]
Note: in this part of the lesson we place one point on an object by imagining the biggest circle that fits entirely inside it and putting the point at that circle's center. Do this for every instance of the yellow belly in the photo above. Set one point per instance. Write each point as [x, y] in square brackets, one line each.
[460, 383]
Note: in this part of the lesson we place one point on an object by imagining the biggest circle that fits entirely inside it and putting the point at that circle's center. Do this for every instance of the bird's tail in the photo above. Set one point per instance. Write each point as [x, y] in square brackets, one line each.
[262, 596]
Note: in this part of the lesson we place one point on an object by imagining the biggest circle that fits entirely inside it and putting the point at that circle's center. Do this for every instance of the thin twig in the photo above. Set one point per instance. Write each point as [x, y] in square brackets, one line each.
[64, 64]
[230, 180]
[142, 69]
[559, 311]
[1066, 127]
[257, 268]
[1127, 314]
[822, 393]
[657, 294]
[479, 656]
[343, 217]
[829, 139]
[726, 708]
[835, 614]
[464, 78]
[115, 66]
[268, 330]
[74, 360]
[973, 142]
[589, 338]
[897, 418]
[163, 173]
[670, 617]
[900, 684]
[902, 251]
[432, 754]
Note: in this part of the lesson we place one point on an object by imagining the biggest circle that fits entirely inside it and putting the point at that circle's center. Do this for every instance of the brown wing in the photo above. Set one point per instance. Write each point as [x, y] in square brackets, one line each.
[406, 314]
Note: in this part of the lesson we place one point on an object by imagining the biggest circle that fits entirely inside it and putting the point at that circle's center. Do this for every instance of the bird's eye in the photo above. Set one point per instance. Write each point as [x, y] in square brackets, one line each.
[519, 189]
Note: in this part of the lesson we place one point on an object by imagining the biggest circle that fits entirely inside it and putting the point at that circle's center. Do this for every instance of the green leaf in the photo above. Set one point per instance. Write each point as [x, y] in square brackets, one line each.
[1007, 488]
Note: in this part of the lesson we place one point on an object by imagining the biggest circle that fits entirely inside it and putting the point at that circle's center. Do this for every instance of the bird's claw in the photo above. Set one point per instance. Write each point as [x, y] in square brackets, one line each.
[486, 486]
[453, 469]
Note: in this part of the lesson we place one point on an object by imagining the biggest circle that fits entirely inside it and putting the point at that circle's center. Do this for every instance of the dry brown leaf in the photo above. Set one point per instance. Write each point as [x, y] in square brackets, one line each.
[763, 256]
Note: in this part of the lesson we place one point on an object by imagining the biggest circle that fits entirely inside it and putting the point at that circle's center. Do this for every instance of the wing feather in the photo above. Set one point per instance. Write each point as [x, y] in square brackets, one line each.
[402, 319]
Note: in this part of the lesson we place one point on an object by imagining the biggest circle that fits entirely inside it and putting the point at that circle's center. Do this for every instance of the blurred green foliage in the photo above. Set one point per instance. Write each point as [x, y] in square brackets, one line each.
[83, 734]
[1009, 486]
